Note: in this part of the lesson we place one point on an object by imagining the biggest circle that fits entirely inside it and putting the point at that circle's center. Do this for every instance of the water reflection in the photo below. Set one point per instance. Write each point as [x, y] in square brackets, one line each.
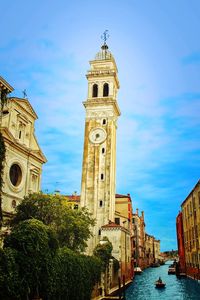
[143, 288]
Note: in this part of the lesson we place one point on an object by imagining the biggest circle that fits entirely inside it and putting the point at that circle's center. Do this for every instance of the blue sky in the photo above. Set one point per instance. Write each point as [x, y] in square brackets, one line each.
[45, 47]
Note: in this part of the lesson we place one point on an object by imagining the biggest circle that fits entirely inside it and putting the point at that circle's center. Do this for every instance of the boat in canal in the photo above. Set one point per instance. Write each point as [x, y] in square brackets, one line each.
[172, 269]
[155, 265]
[143, 286]
[137, 270]
[160, 285]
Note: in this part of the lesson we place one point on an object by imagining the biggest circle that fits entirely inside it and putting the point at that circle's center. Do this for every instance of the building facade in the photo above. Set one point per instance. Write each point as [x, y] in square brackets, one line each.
[24, 158]
[149, 250]
[180, 243]
[123, 217]
[191, 231]
[139, 239]
[157, 250]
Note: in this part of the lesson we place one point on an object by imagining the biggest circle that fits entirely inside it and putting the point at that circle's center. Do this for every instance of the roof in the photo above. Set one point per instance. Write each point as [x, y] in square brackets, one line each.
[122, 196]
[25, 104]
[104, 54]
[112, 225]
[77, 197]
[73, 197]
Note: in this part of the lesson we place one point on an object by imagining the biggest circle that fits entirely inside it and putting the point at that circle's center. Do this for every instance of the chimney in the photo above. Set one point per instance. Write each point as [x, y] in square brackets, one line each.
[142, 214]
[137, 211]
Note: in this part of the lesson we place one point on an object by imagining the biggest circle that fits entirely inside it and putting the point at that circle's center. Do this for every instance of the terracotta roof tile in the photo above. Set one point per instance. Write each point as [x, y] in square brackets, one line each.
[111, 225]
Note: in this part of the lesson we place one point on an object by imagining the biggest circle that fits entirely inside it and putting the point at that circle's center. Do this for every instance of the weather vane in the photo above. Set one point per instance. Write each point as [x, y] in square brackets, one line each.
[24, 94]
[105, 36]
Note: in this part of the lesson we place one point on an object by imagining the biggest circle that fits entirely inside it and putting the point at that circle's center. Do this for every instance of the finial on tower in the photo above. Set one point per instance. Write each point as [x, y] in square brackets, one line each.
[105, 37]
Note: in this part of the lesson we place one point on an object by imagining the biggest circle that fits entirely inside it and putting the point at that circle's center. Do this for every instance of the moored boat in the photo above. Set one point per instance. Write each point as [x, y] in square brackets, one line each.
[172, 269]
[155, 265]
[137, 270]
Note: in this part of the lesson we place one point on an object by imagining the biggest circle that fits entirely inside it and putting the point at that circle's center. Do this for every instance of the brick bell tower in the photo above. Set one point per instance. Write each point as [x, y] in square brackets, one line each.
[99, 155]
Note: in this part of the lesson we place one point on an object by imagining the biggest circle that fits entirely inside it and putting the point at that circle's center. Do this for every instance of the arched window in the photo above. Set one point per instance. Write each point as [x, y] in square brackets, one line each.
[103, 150]
[105, 90]
[95, 90]
[104, 122]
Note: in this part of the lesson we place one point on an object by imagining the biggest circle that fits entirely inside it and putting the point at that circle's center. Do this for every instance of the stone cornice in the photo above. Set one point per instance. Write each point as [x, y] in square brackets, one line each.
[5, 85]
[103, 73]
[103, 61]
[102, 102]
[117, 228]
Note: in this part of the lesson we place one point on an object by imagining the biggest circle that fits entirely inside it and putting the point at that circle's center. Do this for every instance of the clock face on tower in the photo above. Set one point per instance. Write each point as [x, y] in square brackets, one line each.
[97, 135]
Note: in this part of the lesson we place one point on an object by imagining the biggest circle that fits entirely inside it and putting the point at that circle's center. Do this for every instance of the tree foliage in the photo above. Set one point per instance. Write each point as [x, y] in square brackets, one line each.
[10, 283]
[34, 245]
[72, 227]
[31, 264]
[74, 276]
[41, 255]
[103, 251]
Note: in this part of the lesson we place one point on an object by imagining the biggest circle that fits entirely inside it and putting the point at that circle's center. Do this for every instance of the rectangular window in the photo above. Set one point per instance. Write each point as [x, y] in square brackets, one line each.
[103, 150]
[117, 221]
[102, 176]
[100, 203]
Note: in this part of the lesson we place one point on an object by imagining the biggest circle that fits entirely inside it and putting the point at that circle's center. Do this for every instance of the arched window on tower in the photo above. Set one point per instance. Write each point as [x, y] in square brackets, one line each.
[105, 90]
[95, 90]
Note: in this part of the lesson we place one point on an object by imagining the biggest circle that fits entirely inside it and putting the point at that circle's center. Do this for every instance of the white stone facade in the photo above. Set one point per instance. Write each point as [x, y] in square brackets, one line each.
[24, 158]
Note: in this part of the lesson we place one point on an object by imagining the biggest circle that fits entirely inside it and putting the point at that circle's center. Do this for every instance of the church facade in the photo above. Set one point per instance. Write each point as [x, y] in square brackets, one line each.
[24, 158]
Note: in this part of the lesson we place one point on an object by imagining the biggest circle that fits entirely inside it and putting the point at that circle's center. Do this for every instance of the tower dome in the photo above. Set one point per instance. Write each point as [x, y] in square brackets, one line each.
[104, 53]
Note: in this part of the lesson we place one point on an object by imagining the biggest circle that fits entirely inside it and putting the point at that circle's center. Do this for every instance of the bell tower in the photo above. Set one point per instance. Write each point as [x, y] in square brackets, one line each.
[99, 154]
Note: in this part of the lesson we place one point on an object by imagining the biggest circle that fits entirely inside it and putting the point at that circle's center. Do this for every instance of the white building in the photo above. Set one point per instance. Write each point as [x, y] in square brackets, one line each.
[24, 158]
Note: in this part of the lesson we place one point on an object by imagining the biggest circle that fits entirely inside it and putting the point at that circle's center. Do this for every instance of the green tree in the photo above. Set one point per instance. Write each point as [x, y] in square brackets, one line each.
[73, 276]
[103, 251]
[72, 227]
[31, 264]
[10, 283]
[35, 246]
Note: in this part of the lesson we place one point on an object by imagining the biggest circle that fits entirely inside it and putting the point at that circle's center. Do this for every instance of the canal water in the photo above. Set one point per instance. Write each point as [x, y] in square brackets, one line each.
[143, 287]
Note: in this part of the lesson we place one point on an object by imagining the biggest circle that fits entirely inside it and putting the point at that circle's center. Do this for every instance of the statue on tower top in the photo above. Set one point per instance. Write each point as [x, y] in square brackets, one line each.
[105, 36]
[104, 53]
